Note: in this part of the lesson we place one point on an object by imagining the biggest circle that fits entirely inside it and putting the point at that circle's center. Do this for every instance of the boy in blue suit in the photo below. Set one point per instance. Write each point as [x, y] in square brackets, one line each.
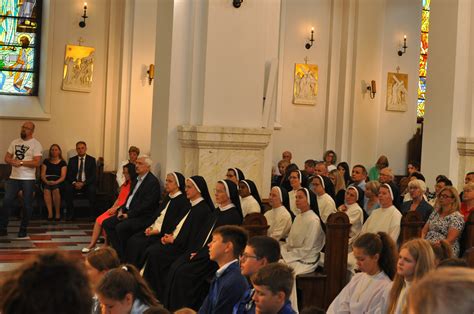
[228, 285]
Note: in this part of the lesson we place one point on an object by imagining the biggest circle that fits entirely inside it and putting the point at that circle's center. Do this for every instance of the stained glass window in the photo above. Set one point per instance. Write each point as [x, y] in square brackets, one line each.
[19, 46]
[425, 27]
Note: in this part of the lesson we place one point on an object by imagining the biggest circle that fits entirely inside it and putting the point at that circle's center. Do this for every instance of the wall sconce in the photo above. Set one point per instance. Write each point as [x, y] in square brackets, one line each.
[151, 73]
[309, 44]
[237, 3]
[400, 52]
[84, 16]
[372, 89]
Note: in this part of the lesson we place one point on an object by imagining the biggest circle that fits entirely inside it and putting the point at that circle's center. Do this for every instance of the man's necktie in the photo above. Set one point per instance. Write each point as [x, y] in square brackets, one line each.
[81, 169]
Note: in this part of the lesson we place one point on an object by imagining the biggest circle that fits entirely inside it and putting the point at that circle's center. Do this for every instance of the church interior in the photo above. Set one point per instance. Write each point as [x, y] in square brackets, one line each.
[205, 86]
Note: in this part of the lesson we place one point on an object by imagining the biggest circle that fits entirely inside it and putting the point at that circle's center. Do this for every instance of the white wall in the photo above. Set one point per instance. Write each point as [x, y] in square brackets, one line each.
[356, 42]
[74, 116]
[397, 128]
[302, 127]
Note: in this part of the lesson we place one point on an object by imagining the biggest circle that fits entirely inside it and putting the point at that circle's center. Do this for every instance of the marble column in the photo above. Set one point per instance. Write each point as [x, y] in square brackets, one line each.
[466, 158]
[210, 150]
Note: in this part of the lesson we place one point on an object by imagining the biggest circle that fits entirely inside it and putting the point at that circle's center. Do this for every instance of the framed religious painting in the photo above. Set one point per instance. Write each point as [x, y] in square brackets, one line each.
[78, 68]
[397, 92]
[305, 87]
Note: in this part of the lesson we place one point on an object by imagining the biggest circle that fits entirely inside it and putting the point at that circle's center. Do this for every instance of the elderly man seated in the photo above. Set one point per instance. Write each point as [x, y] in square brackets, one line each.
[139, 209]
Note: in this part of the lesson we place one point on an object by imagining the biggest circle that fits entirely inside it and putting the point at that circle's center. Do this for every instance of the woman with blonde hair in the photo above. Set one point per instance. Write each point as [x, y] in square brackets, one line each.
[445, 222]
[416, 258]
[447, 290]
[372, 197]
[339, 186]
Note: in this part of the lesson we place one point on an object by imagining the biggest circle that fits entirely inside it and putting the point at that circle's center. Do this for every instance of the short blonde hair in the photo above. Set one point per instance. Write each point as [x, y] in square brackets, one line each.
[418, 184]
[446, 290]
[469, 186]
[373, 186]
[454, 192]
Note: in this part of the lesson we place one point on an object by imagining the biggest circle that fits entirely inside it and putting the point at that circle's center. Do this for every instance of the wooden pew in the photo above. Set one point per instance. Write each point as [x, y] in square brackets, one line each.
[467, 241]
[411, 226]
[322, 286]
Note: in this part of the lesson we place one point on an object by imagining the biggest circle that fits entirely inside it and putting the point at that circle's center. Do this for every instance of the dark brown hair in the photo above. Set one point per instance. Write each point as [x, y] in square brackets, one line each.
[276, 277]
[237, 235]
[51, 282]
[104, 258]
[382, 244]
[126, 279]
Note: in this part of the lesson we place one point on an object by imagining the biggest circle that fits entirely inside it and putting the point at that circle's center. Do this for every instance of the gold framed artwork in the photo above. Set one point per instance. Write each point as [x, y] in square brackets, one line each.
[305, 87]
[397, 91]
[78, 68]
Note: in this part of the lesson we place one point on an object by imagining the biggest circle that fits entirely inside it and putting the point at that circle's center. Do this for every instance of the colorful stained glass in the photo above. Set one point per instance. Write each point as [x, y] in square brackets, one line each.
[420, 110]
[424, 43]
[423, 63]
[425, 21]
[426, 4]
[19, 24]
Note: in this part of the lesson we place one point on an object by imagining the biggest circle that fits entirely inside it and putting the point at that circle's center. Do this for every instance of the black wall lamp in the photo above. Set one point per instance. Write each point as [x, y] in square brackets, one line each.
[400, 52]
[309, 44]
[84, 16]
[237, 3]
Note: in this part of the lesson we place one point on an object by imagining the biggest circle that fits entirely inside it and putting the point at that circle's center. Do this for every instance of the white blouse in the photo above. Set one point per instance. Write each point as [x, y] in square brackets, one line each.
[363, 294]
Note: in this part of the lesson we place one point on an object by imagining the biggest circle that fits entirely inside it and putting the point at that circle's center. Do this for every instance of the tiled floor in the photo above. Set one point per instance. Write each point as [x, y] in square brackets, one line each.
[42, 235]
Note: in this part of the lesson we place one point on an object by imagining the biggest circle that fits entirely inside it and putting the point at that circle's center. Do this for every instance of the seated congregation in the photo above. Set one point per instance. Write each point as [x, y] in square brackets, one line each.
[181, 253]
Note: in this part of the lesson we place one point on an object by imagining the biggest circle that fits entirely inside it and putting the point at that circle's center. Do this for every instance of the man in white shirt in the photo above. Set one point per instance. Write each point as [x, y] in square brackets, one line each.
[24, 155]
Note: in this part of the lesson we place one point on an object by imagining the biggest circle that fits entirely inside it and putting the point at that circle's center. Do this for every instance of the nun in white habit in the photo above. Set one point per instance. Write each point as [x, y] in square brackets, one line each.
[296, 181]
[387, 218]
[352, 209]
[326, 203]
[278, 218]
[306, 238]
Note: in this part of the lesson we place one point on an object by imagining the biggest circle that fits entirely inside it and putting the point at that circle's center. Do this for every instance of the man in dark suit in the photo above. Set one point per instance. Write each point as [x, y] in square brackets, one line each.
[138, 212]
[80, 178]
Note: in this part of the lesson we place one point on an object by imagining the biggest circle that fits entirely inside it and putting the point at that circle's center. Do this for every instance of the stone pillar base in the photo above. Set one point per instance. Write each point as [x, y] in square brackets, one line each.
[209, 151]
[466, 158]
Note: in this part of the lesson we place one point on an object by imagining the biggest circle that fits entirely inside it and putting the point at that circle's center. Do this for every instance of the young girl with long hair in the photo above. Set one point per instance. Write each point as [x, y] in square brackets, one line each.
[375, 254]
[123, 291]
[416, 258]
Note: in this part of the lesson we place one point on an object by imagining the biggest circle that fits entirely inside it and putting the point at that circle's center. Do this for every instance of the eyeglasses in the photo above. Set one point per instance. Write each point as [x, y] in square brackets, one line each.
[219, 191]
[244, 257]
[26, 128]
[445, 196]
[293, 177]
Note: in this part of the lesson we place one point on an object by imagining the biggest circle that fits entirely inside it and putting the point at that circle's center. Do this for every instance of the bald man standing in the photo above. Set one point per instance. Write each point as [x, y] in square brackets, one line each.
[24, 155]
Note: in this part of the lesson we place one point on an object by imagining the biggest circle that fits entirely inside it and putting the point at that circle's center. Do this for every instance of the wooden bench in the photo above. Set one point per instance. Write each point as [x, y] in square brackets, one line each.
[322, 286]
[410, 226]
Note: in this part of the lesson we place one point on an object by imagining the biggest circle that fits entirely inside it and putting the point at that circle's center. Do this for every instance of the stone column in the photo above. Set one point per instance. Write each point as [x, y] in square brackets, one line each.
[466, 158]
[210, 150]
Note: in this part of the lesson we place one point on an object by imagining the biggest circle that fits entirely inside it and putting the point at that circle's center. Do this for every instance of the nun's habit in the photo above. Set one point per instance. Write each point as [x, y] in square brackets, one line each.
[305, 240]
[252, 203]
[159, 257]
[279, 219]
[171, 211]
[187, 284]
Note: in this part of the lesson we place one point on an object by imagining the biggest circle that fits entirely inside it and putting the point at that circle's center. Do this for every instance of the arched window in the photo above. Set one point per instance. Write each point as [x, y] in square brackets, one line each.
[20, 25]
[425, 27]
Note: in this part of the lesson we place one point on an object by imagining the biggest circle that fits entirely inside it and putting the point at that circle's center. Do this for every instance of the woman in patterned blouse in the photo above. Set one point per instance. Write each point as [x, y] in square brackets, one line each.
[445, 223]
